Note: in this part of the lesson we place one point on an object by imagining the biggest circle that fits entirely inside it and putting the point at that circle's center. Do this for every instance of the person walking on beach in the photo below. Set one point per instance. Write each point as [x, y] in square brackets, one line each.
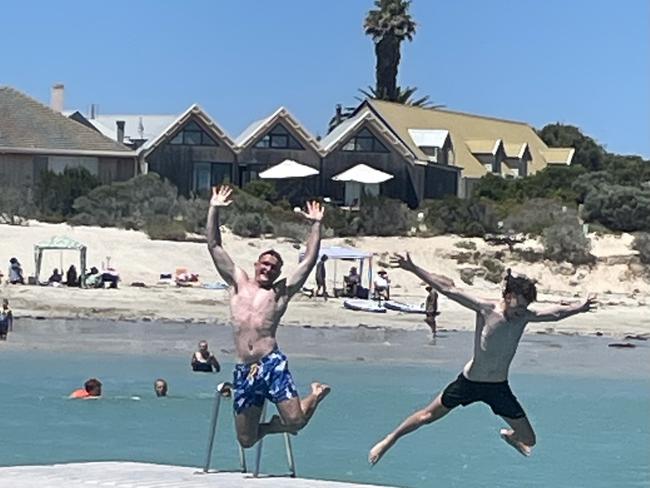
[257, 304]
[321, 275]
[6, 320]
[203, 360]
[499, 327]
[431, 310]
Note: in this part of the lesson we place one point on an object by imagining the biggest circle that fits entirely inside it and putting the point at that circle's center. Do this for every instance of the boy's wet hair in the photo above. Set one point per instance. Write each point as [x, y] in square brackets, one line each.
[274, 253]
[520, 285]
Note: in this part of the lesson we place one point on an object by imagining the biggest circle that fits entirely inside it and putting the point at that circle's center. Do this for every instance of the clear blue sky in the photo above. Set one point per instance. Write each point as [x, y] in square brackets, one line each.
[580, 62]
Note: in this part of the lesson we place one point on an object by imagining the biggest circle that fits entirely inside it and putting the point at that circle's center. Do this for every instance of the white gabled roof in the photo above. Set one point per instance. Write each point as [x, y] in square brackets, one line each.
[429, 137]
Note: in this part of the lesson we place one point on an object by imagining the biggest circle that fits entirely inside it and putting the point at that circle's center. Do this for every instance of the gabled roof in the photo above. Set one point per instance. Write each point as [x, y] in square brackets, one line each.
[516, 150]
[28, 126]
[348, 127]
[484, 146]
[172, 128]
[260, 127]
[429, 137]
[559, 155]
[462, 127]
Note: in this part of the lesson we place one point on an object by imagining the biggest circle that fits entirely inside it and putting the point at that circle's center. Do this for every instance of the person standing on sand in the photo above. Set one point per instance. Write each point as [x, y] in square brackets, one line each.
[499, 327]
[256, 306]
[6, 320]
[431, 310]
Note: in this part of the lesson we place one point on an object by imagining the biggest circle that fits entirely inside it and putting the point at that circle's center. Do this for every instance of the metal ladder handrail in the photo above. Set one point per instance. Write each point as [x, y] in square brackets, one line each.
[222, 390]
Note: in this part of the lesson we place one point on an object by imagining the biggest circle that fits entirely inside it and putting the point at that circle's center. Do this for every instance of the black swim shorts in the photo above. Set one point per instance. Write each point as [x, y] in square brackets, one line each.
[498, 396]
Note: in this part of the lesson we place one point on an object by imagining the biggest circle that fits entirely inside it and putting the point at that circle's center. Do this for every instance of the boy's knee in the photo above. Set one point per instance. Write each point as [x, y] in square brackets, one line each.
[296, 423]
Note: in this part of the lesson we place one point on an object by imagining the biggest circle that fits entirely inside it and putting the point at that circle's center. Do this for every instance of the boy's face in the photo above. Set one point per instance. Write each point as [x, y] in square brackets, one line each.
[267, 270]
[515, 302]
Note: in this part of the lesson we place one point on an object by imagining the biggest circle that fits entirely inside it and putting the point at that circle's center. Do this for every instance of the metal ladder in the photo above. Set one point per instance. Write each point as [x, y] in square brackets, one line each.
[224, 390]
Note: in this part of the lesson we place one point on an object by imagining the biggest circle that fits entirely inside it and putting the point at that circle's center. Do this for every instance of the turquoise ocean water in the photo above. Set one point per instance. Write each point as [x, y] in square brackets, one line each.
[591, 432]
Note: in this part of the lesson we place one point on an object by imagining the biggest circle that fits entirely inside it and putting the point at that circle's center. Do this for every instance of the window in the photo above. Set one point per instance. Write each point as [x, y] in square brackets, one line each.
[193, 135]
[206, 175]
[278, 138]
[364, 141]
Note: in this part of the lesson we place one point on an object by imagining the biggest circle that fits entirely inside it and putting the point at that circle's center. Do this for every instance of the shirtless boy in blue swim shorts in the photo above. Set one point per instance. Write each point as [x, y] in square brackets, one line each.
[256, 306]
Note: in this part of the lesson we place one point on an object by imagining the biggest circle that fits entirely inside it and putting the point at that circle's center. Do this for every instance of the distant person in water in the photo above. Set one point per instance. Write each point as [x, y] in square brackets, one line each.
[92, 389]
[203, 360]
[160, 387]
[499, 327]
[6, 320]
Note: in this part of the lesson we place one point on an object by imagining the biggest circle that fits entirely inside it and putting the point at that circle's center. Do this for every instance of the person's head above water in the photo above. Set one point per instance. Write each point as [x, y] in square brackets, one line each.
[160, 387]
[268, 268]
[94, 387]
[519, 290]
[203, 346]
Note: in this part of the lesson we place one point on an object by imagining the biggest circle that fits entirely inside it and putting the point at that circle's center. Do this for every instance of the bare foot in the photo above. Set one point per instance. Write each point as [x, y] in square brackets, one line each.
[522, 448]
[379, 450]
[320, 390]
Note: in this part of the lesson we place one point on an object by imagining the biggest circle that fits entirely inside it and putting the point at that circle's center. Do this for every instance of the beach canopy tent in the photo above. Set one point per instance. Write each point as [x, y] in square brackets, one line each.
[288, 169]
[361, 179]
[60, 243]
[336, 253]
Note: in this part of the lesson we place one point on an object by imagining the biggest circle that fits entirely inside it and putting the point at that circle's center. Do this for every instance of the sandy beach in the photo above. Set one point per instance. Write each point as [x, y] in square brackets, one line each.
[622, 288]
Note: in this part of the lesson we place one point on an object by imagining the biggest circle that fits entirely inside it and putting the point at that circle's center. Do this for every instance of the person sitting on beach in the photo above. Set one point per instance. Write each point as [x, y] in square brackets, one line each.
[352, 282]
[56, 277]
[499, 327]
[203, 360]
[382, 286]
[431, 310]
[71, 278]
[160, 387]
[6, 320]
[257, 304]
[15, 272]
[92, 389]
[321, 277]
[94, 278]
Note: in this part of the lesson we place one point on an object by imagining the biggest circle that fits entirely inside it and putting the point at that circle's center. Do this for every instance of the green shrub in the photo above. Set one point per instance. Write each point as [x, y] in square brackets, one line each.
[495, 269]
[536, 214]
[641, 244]
[469, 218]
[262, 189]
[15, 207]
[621, 208]
[567, 242]
[379, 216]
[471, 245]
[193, 213]
[163, 228]
[55, 193]
[130, 204]
[251, 225]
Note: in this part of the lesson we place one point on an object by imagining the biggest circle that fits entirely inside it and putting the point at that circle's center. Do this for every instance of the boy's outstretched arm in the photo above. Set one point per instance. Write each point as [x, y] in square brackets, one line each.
[556, 313]
[440, 283]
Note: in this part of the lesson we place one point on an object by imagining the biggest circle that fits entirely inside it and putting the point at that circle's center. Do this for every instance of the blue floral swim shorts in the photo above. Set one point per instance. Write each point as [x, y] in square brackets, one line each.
[267, 378]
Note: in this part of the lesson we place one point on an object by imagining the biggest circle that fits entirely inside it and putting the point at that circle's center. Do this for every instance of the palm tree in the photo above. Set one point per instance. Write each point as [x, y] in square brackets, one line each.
[405, 96]
[388, 25]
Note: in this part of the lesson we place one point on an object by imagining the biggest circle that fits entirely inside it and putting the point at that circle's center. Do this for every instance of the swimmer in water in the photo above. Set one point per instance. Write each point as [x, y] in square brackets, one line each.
[257, 304]
[92, 389]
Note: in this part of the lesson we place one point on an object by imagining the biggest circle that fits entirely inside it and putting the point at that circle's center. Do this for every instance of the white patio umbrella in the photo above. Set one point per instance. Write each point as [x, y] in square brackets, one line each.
[288, 169]
[362, 173]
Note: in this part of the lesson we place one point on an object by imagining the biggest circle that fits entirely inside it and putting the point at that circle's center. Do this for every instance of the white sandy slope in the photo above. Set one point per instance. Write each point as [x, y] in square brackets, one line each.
[623, 294]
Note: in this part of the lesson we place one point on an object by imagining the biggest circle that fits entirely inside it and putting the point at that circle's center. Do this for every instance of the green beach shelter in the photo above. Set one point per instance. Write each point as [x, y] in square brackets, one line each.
[60, 243]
